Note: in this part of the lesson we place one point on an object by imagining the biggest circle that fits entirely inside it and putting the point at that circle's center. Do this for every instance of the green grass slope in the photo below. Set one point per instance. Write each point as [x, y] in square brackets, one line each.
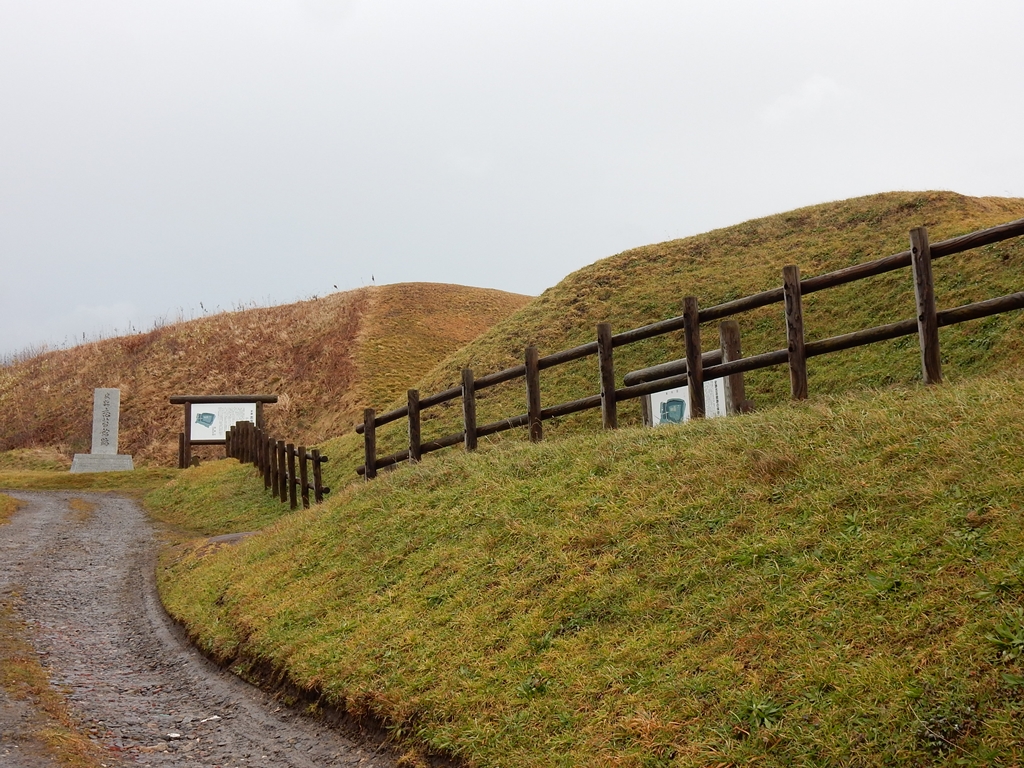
[837, 582]
[647, 284]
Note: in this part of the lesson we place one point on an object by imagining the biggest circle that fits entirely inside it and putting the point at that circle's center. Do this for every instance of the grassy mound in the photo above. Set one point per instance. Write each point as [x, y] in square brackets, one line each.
[323, 358]
[647, 284]
[836, 582]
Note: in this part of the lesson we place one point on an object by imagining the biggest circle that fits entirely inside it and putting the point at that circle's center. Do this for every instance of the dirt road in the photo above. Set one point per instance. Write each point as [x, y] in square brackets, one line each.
[81, 575]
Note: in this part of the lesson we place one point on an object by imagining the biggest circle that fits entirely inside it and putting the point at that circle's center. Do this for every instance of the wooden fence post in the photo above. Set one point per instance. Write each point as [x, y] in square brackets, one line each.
[609, 412]
[795, 332]
[186, 446]
[729, 341]
[293, 481]
[283, 470]
[469, 409]
[414, 426]
[533, 394]
[266, 451]
[318, 481]
[694, 364]
[275, 470]
[303, 477]
[924, 292]
[369, 444]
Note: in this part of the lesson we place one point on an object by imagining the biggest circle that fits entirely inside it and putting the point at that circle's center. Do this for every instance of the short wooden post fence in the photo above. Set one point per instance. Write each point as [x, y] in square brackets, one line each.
[533, 394]
[284, 468]
[795, 332]
[927, 317]
[414, 425]
[469, 409]
[697, 366]
[694, 358]
[606, 363]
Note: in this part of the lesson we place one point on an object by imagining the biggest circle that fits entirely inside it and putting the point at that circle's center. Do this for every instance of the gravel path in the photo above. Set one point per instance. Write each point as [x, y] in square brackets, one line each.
[87, 592]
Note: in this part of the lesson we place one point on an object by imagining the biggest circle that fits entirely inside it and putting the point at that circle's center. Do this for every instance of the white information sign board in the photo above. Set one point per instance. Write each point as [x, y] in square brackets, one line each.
[673, 405]
[211, 421]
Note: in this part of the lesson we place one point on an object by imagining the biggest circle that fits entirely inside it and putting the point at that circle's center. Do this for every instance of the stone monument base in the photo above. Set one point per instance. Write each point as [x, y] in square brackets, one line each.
[102, 462]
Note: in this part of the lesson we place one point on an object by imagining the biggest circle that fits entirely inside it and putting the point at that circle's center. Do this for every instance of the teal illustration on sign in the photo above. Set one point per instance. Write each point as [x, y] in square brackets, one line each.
[673, 411]
[206, 419]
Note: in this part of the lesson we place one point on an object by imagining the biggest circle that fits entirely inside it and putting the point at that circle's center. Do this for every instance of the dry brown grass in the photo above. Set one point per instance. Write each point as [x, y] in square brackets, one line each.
[8, 506]
[324, 358]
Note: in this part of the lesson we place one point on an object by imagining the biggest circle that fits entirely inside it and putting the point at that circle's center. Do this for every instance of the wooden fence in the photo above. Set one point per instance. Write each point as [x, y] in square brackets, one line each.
[285, 468]
[697, 368]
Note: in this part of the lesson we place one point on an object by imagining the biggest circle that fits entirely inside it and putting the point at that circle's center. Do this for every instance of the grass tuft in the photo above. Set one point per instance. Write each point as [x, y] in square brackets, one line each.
[8, 506]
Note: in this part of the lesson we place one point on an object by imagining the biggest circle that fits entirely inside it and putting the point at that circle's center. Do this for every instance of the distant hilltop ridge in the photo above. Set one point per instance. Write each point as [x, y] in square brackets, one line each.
[325, 358]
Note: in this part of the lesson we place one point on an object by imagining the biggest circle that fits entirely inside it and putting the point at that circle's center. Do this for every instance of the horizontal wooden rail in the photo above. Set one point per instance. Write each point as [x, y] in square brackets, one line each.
[665, 370]
[861, 338]
[977, 239]
[442, 442]
[651, 387]
[574, 406]
[659, 328]
[500, 426]
[493, 379]
[567, 355]
[981, 309]
[744, 364]
[729, 308]
[441, 397]
[908, 327]
[856, 272]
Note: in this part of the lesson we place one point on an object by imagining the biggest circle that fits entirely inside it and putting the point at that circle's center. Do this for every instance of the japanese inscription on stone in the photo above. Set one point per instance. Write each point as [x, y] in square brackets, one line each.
[106, 414]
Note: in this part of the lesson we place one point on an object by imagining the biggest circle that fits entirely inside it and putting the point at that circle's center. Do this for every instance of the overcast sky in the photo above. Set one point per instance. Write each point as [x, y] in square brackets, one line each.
[159, 157]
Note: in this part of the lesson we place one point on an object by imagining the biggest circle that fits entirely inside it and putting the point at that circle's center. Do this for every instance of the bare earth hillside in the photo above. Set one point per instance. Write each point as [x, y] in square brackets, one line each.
[324, 358]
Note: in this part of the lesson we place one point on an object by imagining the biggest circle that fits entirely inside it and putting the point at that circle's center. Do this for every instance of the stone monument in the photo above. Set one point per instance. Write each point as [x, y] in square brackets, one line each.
[106, 415]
